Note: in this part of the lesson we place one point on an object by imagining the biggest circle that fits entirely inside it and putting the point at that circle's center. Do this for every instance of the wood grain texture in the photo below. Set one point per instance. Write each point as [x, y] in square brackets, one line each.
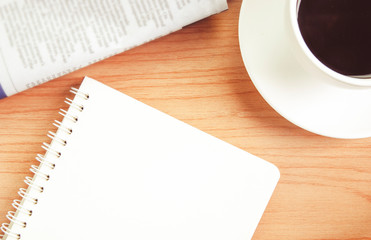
[197, 75]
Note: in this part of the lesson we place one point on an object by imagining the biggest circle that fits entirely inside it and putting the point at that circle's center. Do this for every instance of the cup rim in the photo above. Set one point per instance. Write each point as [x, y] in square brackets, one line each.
[295, 26]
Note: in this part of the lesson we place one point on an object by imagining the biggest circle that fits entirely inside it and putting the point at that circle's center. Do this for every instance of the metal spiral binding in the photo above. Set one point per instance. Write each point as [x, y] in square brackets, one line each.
[5, 228]
[54, 136]
[11, 216]
[32, 184]
[59, 125]
[42, 160]
[74, 105]
[17, 204]
[20, 210]
[36, 170]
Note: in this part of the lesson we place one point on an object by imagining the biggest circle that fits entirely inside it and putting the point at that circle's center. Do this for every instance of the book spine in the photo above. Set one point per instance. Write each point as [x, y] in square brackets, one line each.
[41, 173]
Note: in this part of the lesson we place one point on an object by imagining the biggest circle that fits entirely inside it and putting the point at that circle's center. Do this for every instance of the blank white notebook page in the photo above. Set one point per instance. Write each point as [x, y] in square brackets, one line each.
[131, 172]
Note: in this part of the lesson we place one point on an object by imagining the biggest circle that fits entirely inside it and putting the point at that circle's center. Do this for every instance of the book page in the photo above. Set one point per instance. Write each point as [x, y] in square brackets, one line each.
[43, 40]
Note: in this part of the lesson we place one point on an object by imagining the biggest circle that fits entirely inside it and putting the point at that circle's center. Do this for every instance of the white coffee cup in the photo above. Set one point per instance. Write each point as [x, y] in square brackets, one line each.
[304, 53]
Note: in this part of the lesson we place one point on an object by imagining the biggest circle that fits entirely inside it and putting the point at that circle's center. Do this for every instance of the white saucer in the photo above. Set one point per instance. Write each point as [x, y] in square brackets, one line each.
[308, 98]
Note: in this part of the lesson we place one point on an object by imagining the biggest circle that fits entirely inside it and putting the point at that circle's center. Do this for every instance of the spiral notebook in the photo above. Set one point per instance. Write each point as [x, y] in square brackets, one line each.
[119, 169]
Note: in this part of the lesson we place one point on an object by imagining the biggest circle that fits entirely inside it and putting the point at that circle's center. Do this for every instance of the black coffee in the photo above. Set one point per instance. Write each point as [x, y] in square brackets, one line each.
[338, 32]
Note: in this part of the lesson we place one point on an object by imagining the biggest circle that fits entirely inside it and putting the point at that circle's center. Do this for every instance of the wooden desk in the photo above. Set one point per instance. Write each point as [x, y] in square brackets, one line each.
[197, 76]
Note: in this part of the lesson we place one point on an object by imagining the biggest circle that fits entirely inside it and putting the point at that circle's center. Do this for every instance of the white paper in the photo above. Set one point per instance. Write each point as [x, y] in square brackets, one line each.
[41, 39]
[134, 173]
